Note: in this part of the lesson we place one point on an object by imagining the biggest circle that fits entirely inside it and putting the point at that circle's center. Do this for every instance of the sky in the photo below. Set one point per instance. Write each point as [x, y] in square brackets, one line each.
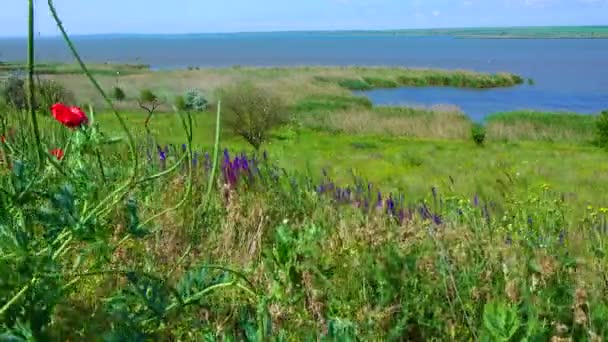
[202, 16]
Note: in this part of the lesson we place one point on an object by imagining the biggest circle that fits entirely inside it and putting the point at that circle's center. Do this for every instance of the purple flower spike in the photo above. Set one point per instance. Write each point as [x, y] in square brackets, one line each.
[226, 155]
[162, 155]
[390, 205]
[437, 220]
[184, 147]
[379, 202]
[476, 200]
[195, 159]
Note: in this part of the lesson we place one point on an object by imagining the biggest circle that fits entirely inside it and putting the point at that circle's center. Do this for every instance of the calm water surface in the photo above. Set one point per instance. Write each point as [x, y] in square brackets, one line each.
[570, 74]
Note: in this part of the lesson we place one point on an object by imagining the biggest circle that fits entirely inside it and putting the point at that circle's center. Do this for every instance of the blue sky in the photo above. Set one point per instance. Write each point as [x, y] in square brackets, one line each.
[193, 16]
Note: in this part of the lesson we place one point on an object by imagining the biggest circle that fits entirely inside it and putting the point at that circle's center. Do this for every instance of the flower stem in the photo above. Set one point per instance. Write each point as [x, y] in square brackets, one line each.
[30, 81]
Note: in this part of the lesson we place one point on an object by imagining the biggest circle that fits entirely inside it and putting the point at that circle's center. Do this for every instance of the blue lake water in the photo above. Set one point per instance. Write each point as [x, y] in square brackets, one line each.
[570, 74]
[479, 103]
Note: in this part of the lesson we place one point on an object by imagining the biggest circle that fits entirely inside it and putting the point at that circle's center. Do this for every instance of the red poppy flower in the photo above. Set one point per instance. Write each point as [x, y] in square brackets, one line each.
[58, 153]
[2, 139]
[71, 117]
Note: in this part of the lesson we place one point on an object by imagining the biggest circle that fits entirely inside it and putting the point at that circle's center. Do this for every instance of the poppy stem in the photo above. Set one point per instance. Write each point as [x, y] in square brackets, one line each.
[30, 81]
[100, 164]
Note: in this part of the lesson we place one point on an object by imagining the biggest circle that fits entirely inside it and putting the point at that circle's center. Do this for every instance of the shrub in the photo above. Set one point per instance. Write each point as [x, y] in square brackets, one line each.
[354, 84]
[49, 92]
[602, 129]
[195, 101]
[13, 92]
[478, 133]
[252, 112]
[118, 94]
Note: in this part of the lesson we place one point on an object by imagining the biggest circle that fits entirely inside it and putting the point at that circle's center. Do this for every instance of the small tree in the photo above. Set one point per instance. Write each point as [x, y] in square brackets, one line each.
[602, 129]
[478, 133]
[252, 112]
[118, 94]
[149, 102]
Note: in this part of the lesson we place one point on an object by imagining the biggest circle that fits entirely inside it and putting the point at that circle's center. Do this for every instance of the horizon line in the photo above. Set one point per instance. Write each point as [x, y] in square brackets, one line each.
[311, 31]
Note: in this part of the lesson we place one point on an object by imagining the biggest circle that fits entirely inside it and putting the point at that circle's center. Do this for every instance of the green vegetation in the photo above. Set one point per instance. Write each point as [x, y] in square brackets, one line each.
[252, 112]
[195, 101]
[425, 78]
[529, 125]
[478, 133]
[118, 94]
[46, 93]
[602, 129]
[148, 101]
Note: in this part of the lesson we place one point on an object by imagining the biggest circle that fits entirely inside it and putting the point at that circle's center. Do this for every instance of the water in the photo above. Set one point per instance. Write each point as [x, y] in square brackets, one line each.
[570, 74]
[479, 103]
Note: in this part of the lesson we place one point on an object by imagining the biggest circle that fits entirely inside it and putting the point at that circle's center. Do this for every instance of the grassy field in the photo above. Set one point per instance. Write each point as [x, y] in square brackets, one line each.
[412, 155]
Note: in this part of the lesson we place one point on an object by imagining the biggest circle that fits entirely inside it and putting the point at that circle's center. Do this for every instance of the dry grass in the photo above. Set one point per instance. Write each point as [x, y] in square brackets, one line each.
[526, 125]
[439, 123]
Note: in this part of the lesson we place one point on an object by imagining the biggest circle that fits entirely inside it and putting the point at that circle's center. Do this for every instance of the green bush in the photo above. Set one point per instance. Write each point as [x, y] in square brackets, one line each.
[49, 92]
[118, 94]
[252, 112]
[13, 92]
[602, 129]
[331, 103]
[354, 84]
[478, 133]
[46, 93]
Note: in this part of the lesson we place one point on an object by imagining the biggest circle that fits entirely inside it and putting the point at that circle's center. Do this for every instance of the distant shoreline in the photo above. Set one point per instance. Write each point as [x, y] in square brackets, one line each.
[540, 32]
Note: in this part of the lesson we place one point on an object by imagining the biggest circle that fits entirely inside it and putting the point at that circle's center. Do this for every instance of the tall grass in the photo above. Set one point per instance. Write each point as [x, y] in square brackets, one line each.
[395, 121]
[531, 125]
